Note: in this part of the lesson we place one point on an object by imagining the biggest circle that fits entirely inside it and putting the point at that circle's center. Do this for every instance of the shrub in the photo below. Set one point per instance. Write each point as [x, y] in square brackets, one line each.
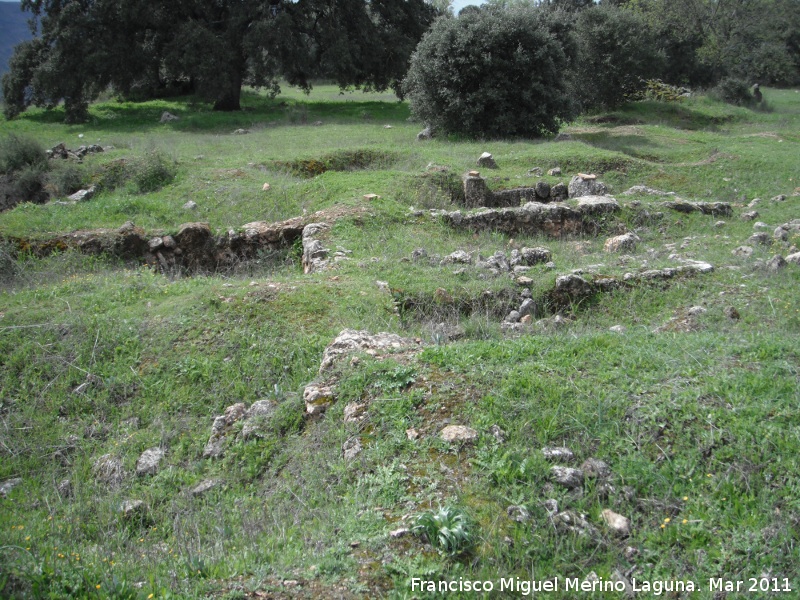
[18, 153]
[617, 53]
[152, 172]
[733, 91]
[65, 179]
[493, 73]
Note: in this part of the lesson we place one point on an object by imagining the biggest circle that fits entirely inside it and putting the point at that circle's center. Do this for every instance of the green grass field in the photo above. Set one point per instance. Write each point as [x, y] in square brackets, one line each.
[696, 415]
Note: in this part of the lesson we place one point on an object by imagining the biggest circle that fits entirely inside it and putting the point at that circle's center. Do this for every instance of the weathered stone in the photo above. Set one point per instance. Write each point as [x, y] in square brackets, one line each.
[528, 308]
[487, 161]
[350, 341]
[8, 485]
[108, 469]
[761, 238]
[567, 476]
[573, 286]
[398, 533]
[458, 433]
[518, 513]
[559, 192]
[750, 215]
[82, 195]
[318, 398]
[776, 263]
[204, 487]
[597, 205]
[622, 243]
[535, 256]
[149, 461]
[780, 234]
[558, 453]
[573, 522]
[166, 117]
[497, 433]
[64, 488]
[241, 131]
[351, 448]
[744, 251]
[425, 134]
[642, 190]
[794, 258]
[595, 468]
[721, 209]
[586, 186]
[353, 412]
[617, 328]
[732, 313]
[542, 190]
[554, 172]
[512, 317]
[459, 257]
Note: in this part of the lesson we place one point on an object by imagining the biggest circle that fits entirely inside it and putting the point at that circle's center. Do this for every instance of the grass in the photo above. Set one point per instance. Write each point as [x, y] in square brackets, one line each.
[698, 424]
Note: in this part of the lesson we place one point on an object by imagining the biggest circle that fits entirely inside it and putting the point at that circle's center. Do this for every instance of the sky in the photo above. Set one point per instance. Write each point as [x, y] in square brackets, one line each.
[459, 4]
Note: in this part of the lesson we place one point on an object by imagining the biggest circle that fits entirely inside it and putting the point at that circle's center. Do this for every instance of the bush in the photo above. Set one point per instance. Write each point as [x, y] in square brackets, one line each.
[18, 153]
[65, 179]
[493, 73]
[152, 172]
[733, 91]
[447, 529]
[617, 53]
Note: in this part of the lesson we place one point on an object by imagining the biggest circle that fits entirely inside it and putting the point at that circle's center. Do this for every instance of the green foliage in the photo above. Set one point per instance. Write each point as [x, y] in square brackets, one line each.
[65, 178]
[733, 91]
[152, 171]
[493, 73]
[21, 152]
[448, 529]
[617, 52]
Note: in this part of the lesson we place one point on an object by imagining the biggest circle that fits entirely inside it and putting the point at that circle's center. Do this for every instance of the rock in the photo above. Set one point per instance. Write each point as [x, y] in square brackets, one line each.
[350, 341]
[622, 243]
[721, 209]
[535, 172]
[190, 205]
[8, 485]
[586, 186]
[83, 195]
[132, 509]
[551, 506]
[256, 418]
[559, 192]
[166, 117]
[109, 470]
[498, 434]
[780, 234]
[412, 434]
[558, 453]
[596, 468]
[419, 253]
[761, 238]
[266, 187]
[617, 328]
[64, 488]
[520, 514]
[155, 243]
[744, 251]
[555, 172]
[487, 160]
[527, 309]
[216, 442]
[351, 448]
[353, 412]
[241, 132]
[458, 257]
[524, 281]
[371, 197]
[398, 533]
[597, 205]
[570, 521]
[512, 317]
[778, 198]
[535, 256]
[542, 190]
[776, 263]
[573, 286]
[148, 461]
[619, 577]
[794, 258]
[318, 398]
[458, 433]
[696, 311]
[425, 134]
[750, 215]
[731, 313]
[640, 190]
[315, 254]
[476, 192]
[719, 224]
[567, 476]
[204, 486]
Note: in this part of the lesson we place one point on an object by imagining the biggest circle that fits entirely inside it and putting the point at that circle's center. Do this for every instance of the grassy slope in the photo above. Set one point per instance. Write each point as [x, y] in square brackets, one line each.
[700, 428]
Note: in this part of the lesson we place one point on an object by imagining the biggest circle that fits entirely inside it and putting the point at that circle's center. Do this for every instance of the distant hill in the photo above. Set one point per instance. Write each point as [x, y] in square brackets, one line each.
[13, 30]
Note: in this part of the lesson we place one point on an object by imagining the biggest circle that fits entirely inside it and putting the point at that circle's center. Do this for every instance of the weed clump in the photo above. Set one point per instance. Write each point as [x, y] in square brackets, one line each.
[23, 167]
[732, 90]
[448, 529]
[152, 172]
[343, 160]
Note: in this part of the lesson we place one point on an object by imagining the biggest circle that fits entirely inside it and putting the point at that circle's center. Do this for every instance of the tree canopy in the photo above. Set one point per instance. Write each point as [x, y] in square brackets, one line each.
[211, 47]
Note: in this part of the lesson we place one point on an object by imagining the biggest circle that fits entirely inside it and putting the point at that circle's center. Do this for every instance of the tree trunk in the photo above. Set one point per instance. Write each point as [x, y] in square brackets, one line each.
[228, 99]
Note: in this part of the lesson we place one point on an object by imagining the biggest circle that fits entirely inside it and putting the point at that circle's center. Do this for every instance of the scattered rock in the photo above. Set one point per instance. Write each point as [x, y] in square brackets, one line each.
[487, 160]
[535, 172]
[749, 216]
[586, 185]
[618, 524]
[318, 398]
[497, 433]
[190, 205]
[542, 190]
[204, 486]
[82, 195]
[166, 117]
[425, 134]
[778, 198]
[371, 197]
[622, 243]
[721, 209]
[744, 251]
[412, 434]
[148, 461]
[215, 446]
[555, 172]
[558, 453]
[761, 238]
[459, 257]
[352, 448]
[315, 254]
[780, 234]
[641, 190]
[794, 258]
[64, 488]
[617, 328]
[719, 224]
[567, 476]
[520, 514]
[8, 485]
[108, 469]
[619, 577]
[458, 433]
[350, 341]
[512, 317]
[132, 509]
[241, 132]
[696, 311]
[596, 468]
[534, 256]
[398, 533]
[353, 412]
[266, 187]
[776, 263]
[551, 506]
[570, 521]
